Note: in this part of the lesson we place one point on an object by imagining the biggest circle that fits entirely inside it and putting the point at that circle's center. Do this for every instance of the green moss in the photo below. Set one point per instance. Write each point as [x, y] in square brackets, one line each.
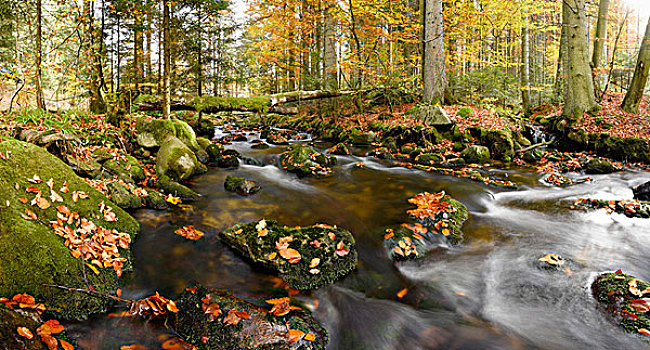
[213, 104]
[305, 161]
[122, 197]
[125, 168]
[339, 149]
[32, 254]
[612, 291]
[262, 250]
[169, 186]
[262, 331]
[476, 154]
[175, 160]
[155, 132]
[9, 322]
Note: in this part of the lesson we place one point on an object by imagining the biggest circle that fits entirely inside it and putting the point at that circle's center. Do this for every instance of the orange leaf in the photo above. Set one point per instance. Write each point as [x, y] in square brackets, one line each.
[295, 335]
[25, 332]
[51, 342]
[402, 293]
[65, 345]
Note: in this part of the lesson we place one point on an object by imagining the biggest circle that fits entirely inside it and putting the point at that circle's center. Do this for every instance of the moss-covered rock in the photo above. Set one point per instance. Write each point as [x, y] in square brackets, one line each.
[429, 158]
[203, 142]
[10, 320]
[623, 297]
[258, 329]
[155, 200]
[32, 254]
[476, 154]
[438, 219]
[599, 166]
[214, 151]
[121, 195]
[305, 161]
[642, 191]
[340, 149]
[153, 133]
[176, 160]
[228, 161]
[434, 116]
[306, 257]
[240, 185]
[260, 145]
[125, 168]
[169, 186]
[86, 168]
[533, 156]
[500, 142]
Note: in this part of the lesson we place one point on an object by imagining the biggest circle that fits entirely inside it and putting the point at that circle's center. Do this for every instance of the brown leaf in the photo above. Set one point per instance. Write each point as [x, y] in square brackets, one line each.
[51, 342]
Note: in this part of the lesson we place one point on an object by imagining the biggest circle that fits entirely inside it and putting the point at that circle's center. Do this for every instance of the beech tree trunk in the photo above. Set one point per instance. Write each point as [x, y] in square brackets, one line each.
[525, 67]
[166, 59]
[40, 99]
[579, 91]
[330, 64]
[91, 40]
[433, 65]
[599, 43]
[138, 44]
[640, 78]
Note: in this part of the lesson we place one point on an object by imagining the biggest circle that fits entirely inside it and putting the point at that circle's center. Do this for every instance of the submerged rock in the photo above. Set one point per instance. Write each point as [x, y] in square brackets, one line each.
[626, 299]
[260, 145]
[241, 186]
[550, 261]
[306, 257]
[476, 154]
[305, 161]
[33, 253]
[599, 166]
[214, 319]
[339, 149]
[438, 219]
[642, 192]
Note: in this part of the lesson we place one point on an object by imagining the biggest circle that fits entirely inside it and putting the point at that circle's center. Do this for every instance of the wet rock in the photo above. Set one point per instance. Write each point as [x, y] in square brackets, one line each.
[154, 133]
[631, 209]
[277, 139]
[203, 142]
[101, 155]
[214, 151]
[438, 219]
[429, 158]
[339, 149]
[434, 116]
[454, 162]
[228, 161]
[251, 161]
[476, 154]
[168, 186]
[260, 145]
[122, 197]
[500, 142]
[551, 261]
[231, 152]
[32, 253]
[241, 186]
[533, 156]
[382, 153]
[155, 200]
[626, 299]
[205, 128]
[239, 324]
[306, 257]
[642, 192]
[176, 160]
[9, 323]
[599, 166]
[305, 161]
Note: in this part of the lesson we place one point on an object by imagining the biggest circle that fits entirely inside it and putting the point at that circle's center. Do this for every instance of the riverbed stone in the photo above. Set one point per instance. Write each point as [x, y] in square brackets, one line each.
[256, 329]
[340, 149]
[476, 154]
[305, 257]
[241, 186]
[169, 186]
[625, 298]
[32, 254]
[305, 161]
[122, 197]
[642, 192]
[176, 160]
[599, 166]
[126, 167]
[86, 168]
[10, 320]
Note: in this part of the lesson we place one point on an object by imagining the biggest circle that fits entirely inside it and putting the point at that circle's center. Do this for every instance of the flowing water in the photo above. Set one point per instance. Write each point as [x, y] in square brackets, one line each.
[486, 293]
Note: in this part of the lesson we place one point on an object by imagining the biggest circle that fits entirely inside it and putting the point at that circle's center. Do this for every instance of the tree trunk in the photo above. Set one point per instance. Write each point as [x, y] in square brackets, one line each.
[199, 58]
[433, 66]
[330, 64]
[40, 99]
[166, 59]
[637, 86]
[138, 43]
[599, 43]
[91, 39]
[579, 92]
[147, 50]
[525, 67]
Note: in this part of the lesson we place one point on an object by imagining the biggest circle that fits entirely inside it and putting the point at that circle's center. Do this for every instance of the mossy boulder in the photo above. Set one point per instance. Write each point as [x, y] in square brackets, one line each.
[10, 320]
[306, 257]
[214, 151]
[476, 154]
[125, 168]
[500, 142]
[624, 298]
[155, 200]
[86, 168]
[305, 161]
[176, 160]
[533, 156]
[258, 330]
[203, 142]
[32, 254]
[241, 186]
[260, 145]
[153, 133]
[438, 220]
[120, 194]
[228, 161]
[340, 149]
[599, 166]
[429, 158]
[169, 186]
[434, 116]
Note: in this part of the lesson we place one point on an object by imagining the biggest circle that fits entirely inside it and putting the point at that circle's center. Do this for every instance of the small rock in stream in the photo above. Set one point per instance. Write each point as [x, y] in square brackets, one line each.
[241, 186]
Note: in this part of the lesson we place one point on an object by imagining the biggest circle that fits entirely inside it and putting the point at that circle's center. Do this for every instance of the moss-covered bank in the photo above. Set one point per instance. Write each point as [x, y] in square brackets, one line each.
[624, 298]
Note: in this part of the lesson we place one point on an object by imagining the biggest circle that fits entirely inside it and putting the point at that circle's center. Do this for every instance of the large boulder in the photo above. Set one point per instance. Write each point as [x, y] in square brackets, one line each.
[305, 161]
[500, 142]
[126, 168]
[214, 319]
[438, 219]
[176, 160]
[153, 133]
[642, 191]
[476, 154]
[626, 299]
[306, 257]
[34, 252]
[175, 189]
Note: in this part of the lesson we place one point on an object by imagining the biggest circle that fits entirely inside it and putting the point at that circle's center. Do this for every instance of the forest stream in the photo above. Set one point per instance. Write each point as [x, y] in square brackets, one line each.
[487, 293]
